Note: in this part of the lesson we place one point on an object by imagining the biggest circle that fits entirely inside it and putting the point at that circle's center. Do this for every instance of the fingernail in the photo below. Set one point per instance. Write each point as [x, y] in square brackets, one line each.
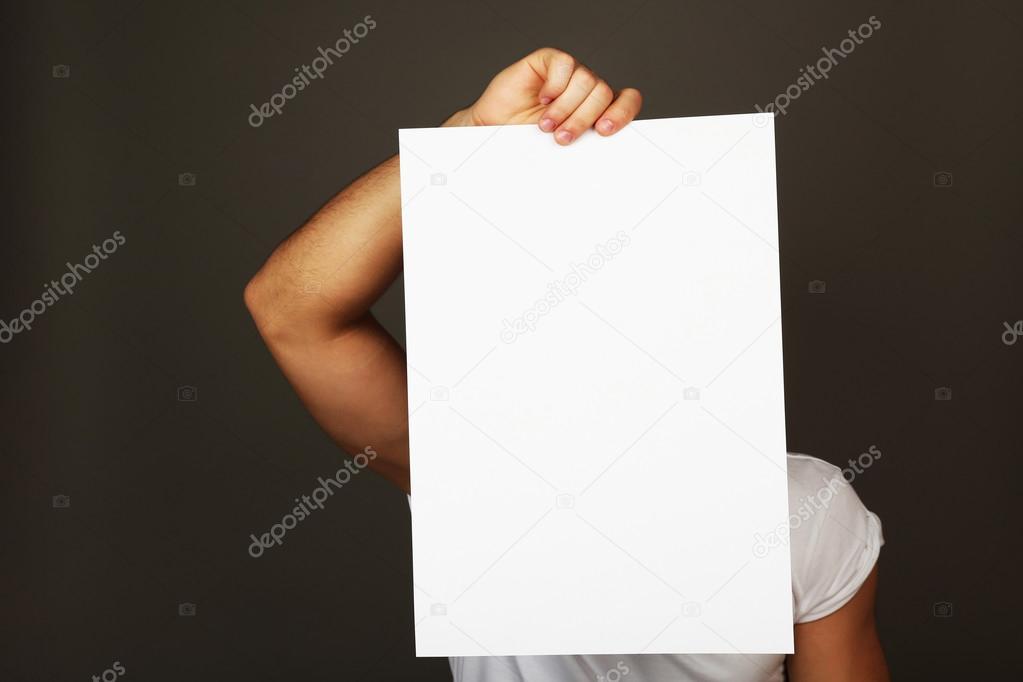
[563, 136]
[547, 124]
[545, 100]
[605, 125]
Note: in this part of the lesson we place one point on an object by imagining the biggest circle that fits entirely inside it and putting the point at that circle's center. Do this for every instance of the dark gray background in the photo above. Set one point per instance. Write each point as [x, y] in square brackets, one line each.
[919, 280]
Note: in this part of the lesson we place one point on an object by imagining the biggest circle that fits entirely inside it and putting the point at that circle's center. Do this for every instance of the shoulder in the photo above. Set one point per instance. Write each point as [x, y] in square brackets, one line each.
[834, 540]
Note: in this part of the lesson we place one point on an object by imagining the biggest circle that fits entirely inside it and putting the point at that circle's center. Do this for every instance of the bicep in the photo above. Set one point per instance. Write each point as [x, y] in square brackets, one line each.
[842, 646]
[355, 386]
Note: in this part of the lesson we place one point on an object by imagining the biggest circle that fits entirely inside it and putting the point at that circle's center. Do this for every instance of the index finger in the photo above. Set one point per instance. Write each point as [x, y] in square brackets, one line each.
[555, 68]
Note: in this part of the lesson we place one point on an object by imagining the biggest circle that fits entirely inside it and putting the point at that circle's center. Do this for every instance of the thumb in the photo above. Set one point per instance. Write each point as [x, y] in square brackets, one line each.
[555, 68]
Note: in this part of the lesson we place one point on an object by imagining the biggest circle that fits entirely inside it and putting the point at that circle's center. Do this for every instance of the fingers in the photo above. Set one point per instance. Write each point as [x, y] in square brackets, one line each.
[621, 112]
[578, 89]
[578, 99]
[555, 68]
[596, 102]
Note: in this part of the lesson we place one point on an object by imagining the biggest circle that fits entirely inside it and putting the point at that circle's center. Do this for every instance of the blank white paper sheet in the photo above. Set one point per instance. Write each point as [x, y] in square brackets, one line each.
[596, 409]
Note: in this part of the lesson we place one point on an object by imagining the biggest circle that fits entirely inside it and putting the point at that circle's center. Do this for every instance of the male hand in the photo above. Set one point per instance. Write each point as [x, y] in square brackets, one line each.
[550, 88]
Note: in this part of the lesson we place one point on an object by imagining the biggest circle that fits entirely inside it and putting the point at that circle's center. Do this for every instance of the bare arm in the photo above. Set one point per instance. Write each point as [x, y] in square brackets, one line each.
[311, 299]
[842, 647]
[310, 302]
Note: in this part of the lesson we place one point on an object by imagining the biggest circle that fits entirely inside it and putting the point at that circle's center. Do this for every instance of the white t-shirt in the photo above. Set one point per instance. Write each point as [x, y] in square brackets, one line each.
[834, 542]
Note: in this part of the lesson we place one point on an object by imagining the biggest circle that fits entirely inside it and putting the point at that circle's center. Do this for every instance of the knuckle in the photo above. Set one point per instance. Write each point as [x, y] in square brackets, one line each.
[587, 80]
[603, 91]
[560, 58]
[560, 108]
[542, 52]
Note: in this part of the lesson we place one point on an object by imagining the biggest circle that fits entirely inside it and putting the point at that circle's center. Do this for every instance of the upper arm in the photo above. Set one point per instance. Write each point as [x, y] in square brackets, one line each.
[843, 646]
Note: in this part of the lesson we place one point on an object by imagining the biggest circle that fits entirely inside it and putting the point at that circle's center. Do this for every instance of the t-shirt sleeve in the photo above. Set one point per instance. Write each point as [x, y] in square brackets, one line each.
[839, 553]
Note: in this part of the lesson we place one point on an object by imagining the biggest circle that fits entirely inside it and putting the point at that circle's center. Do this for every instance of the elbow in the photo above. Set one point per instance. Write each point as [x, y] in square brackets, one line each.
[286, 315]
[253, 296]
[257, 301]
[283, 318]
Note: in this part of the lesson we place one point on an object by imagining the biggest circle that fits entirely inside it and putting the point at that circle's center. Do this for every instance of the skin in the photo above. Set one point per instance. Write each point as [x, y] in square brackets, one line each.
[842, 647]
[311, 300]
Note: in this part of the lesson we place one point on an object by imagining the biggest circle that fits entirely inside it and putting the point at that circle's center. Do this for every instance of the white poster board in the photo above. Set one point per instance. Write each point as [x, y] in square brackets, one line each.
[596, 408]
